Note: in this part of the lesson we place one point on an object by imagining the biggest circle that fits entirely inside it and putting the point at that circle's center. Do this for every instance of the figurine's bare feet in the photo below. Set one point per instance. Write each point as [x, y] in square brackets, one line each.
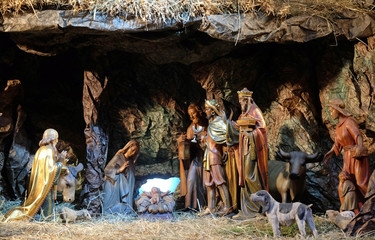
[207, 211]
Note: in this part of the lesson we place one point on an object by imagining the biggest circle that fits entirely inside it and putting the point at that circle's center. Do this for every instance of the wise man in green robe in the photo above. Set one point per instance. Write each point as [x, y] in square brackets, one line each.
[214, 176]
[250, 133]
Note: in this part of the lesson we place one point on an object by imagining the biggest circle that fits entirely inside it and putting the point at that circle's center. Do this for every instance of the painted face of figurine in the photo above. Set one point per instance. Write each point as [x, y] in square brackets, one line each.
[193, 115]
[334, 113]
[55, 142]
[244, 102]
[156, 195]
[155, 190]
[209, 112]
[131, 151]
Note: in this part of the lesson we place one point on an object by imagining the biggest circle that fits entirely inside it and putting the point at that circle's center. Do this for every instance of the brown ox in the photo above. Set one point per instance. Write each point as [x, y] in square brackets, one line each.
[67, 183]
[287, 180]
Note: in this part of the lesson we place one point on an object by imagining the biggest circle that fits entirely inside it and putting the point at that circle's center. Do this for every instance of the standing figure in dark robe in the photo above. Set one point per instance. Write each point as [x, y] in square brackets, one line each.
[9, 99]
[119, 181]
[252, 155]
[214, 176]
[355, 173]
[192, 186]
[46, 169]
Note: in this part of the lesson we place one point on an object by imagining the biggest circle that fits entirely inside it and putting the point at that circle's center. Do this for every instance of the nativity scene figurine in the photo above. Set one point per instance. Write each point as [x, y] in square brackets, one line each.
[118, 187]
[48, 166]
[191, 163]
[155, 202]
[361, 223]
[355, 174]
[249, 133]
[214, 176]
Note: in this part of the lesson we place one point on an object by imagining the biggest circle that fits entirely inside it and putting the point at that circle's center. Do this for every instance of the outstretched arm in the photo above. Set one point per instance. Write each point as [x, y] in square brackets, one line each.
[146, 194]
[328, 155]
[165, 194]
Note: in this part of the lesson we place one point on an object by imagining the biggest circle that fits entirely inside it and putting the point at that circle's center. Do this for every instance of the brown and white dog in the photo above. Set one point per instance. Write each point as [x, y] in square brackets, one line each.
[285, 214]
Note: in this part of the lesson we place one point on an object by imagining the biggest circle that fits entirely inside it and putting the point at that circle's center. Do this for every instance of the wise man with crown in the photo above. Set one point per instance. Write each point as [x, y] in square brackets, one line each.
[248, 135]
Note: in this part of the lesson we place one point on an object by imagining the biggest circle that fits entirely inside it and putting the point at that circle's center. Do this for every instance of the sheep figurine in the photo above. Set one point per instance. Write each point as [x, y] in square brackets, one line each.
[70, 215]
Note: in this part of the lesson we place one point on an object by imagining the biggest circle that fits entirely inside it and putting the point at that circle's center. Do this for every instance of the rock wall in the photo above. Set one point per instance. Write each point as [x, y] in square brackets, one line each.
[147, 98]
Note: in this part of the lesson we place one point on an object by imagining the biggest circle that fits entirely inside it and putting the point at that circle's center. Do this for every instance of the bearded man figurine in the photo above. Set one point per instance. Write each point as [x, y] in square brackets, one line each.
[250, 134]
[192, 185]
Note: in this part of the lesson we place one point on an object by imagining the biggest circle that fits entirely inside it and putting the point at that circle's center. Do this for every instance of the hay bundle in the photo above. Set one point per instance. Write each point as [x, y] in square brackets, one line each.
[163, 10]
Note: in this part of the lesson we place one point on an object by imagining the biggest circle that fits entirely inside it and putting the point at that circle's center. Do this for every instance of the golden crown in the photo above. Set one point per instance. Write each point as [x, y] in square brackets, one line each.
[245, 93]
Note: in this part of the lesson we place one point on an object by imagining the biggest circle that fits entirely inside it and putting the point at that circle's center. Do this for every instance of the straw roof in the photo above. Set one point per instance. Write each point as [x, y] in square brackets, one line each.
[160, 10]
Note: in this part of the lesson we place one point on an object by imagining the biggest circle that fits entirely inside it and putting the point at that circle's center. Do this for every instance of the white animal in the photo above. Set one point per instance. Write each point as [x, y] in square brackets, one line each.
[285, 214]
[348, 214]
[70, 215]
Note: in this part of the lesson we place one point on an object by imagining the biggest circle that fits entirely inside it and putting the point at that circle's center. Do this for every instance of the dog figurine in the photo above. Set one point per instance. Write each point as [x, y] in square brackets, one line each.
[285, 213]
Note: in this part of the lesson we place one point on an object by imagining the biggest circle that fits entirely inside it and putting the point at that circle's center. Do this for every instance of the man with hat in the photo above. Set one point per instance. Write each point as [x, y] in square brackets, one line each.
[355, 173]
[212, 163]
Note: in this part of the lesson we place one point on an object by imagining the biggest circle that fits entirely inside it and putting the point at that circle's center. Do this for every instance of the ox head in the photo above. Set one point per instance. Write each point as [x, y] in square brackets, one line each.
[67, 183]
[297, 161]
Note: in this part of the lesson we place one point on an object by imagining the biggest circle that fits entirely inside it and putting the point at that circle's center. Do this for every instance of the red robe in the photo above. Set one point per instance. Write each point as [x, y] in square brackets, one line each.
[347, 132]
[260, 137]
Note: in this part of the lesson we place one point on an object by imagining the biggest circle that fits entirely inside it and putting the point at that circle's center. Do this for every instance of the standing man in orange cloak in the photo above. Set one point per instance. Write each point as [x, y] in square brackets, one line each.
[355, 174]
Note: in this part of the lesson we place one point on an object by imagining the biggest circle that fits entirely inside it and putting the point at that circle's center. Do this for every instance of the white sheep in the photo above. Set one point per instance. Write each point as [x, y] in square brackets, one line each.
[70, 215]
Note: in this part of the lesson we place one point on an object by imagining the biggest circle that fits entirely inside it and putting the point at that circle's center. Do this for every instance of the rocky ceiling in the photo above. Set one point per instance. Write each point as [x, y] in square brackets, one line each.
[49, 32]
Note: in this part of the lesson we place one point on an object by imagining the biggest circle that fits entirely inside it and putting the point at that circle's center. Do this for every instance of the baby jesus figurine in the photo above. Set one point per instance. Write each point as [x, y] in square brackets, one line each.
[155, 195]
[155, 202]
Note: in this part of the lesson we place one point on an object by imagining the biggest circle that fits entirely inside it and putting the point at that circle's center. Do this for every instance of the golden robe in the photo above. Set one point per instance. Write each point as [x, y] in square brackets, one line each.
[44, 175]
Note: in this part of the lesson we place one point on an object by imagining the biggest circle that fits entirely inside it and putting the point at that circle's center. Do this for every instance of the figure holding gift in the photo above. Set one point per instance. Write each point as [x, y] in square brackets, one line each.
[191, 151]
[249, 137]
